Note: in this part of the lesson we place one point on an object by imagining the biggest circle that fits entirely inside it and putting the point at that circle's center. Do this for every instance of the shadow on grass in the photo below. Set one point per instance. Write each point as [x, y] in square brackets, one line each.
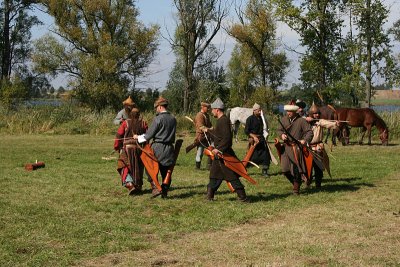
[336, 185]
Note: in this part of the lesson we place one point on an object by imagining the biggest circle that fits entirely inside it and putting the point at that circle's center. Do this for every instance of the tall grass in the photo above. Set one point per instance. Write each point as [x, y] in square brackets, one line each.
[74, 119]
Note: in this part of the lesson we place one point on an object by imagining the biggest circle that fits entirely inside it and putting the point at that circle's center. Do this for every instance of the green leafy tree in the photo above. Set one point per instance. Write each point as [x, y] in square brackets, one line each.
[103, 47]
[197, 24]
[241, 76]
[319, 27]
[256, 33]
[15, 29]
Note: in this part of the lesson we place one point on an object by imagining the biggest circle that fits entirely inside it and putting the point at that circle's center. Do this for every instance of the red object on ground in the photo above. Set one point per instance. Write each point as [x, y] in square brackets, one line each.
[34, 166]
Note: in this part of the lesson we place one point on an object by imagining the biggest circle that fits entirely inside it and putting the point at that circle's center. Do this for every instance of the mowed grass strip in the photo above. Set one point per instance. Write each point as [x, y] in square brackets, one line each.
[75, 212]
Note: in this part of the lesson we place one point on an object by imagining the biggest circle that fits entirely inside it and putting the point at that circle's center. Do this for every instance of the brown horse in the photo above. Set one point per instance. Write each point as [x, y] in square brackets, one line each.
[365, 118]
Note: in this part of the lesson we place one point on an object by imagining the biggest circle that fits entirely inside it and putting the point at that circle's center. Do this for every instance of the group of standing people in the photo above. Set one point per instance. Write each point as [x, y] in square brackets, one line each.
[297, 132]
[132, 133]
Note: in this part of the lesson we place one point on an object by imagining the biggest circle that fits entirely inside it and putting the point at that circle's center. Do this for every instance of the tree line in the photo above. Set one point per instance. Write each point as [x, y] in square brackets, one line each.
[105, 51]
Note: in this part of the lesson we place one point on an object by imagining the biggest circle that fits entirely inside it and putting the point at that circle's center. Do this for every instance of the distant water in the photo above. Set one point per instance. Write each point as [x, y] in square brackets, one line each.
[44, 102]
[386, 108]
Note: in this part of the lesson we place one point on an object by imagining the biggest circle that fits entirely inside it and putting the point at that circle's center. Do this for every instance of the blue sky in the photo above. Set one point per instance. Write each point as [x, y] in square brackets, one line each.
[161, 12]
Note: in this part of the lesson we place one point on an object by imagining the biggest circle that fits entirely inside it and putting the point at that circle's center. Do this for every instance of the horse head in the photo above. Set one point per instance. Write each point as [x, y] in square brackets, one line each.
[384, 136]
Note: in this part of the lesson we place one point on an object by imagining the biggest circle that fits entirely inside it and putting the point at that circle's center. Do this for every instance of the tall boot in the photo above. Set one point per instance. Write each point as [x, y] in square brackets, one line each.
[164, 192]
[289, 176]
[242, 195]
[296, 188]
[210, 194]
[198, 165]
[154, 190]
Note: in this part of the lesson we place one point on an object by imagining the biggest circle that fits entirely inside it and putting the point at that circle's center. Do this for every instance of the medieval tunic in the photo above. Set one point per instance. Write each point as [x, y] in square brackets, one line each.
[129, 159]
[317, 146]
[291, 159]
[162, 130]
[254, 125]
[121, 116]
[201, 119]
[222, 136]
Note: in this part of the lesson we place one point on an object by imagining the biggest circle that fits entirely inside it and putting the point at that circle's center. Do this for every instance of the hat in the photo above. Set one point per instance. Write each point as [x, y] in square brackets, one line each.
[128, 101]
[218, 104]
[205, 104]
[291, 106]
[313, 109]
[161, 101]
[301, 104]
[256, 106]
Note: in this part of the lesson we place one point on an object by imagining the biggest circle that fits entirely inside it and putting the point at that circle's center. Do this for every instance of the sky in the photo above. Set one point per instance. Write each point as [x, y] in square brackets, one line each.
[161, 12]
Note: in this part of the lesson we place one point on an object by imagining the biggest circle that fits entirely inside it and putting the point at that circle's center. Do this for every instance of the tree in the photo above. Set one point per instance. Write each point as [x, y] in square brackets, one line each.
[15, 32]
[15, 27]
[256, 33]
[318, 24]
[104, 48]
[197, 24]
[241, 76]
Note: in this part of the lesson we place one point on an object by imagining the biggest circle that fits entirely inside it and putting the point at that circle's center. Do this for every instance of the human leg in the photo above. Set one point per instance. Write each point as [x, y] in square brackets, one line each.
[212, 187]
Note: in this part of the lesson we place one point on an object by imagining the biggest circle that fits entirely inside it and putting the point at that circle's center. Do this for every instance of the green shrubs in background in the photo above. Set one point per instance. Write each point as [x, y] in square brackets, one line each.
[71, 118]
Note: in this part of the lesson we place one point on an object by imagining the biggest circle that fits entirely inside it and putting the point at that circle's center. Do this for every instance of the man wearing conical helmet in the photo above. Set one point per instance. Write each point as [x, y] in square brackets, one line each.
[123, 114]
[316, 143]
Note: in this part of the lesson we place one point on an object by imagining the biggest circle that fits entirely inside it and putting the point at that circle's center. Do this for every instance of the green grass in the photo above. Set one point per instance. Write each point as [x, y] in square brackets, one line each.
[382, 102]
[75, 212]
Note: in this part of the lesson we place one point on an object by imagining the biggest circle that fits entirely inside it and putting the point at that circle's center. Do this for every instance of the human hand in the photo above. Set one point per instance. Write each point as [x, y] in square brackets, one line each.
[284, 137]
[303, 142]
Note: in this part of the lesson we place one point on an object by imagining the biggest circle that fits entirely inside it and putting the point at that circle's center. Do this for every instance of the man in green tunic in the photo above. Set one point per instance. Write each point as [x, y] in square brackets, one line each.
[222, 137]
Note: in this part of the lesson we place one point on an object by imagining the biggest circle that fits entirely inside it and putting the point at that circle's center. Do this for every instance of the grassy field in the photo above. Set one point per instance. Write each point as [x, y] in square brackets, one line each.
[75, 212]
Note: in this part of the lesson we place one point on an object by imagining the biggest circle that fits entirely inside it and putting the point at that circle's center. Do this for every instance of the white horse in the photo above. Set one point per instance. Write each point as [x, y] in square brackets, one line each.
[238, 115]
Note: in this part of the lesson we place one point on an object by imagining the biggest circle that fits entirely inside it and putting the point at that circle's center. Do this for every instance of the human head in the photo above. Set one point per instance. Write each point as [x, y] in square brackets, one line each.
[314, 112]
[134, 114]
[291, 108]
[257, 109]
[302, 105]
[205, 107]
[161, 104]
[128, 103]
[217, 107]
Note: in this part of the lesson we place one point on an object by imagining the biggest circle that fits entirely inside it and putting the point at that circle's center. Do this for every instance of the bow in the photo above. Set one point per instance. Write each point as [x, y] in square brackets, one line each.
[302, 147]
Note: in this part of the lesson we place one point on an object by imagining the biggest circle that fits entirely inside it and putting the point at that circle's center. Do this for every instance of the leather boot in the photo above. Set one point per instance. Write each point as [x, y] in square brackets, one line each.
[210, 194]
[289, 176]
[242, 195]
[154, 191]
[164, 190]
[296, 188]
[198, 165]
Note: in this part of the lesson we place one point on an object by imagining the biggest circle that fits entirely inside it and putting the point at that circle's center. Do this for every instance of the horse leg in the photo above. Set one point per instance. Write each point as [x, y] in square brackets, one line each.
[360, 142]
[369, 134]
[236, 130]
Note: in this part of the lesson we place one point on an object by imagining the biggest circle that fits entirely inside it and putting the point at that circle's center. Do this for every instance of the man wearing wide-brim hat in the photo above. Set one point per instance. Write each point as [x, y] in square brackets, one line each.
[222, 137]
[292, 162]
[162, 130]
[123, 114]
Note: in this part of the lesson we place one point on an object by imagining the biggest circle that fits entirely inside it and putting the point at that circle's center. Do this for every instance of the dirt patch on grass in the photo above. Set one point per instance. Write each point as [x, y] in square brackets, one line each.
[358, 229]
